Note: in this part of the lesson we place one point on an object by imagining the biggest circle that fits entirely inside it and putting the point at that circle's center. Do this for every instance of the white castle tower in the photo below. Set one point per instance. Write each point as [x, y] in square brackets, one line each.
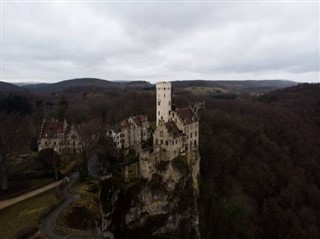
[163, 101]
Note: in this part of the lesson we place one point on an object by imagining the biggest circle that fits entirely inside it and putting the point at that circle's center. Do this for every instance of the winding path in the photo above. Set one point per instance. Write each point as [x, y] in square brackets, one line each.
[11, 201]
[47, 225]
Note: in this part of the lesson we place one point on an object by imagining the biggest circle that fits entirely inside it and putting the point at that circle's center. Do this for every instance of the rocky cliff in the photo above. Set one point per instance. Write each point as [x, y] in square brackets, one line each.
[165, 204]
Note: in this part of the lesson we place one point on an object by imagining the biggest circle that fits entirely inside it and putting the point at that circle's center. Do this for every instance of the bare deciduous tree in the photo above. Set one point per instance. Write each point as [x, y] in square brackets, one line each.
[14, 138]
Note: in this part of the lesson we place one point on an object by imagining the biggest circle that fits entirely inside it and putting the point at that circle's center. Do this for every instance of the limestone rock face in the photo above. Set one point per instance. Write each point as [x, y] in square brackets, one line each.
[167, 202]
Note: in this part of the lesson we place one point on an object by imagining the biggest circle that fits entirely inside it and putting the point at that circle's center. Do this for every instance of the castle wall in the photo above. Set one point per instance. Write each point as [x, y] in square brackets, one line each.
[191, 141]
[168, 146]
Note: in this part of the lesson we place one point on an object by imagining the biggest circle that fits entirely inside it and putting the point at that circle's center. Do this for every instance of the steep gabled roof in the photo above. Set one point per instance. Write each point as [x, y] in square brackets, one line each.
[142, 118]
[136, 120]
[173, 129]
[52, 129]
[124, 123]
[186, 115]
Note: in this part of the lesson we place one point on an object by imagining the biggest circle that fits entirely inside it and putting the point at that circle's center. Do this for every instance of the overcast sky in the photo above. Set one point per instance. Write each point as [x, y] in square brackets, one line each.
[50, 42]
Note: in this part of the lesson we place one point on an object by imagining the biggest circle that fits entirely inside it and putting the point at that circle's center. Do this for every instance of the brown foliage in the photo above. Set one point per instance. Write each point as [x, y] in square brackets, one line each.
[260, 163]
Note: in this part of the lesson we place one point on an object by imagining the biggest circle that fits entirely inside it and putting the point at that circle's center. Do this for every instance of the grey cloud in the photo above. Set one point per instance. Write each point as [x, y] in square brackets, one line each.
[165, 41]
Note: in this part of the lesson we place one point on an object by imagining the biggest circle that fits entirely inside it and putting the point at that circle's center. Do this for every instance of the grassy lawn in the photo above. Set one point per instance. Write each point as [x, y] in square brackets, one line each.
[24, 213]
[88, 191]
[19, 187]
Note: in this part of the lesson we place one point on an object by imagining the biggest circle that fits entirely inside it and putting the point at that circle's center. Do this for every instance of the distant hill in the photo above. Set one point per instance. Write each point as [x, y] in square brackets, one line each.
[67, 84]
[85, 84]
[235, 84]
[8, 87]
[93, 84]
[232, 87]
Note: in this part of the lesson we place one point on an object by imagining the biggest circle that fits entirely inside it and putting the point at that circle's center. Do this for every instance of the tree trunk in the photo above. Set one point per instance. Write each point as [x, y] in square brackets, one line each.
[4, 182]
[4, 173]
[55, 170]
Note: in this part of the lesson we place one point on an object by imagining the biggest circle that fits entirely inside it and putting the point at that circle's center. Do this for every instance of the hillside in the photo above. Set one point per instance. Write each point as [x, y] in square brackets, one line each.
[63, 85]
[260, 166]
[196, 87]
[10, 88]
[246, 87]
[84, 84]
[259, 154]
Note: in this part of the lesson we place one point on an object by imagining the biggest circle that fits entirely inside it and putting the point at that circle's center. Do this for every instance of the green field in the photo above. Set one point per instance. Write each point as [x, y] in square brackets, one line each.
[27, 212]
[206, 90]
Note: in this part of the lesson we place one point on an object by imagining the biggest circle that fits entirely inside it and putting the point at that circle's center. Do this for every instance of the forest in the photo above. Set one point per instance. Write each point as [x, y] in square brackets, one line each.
[260, 174]
[260, 154]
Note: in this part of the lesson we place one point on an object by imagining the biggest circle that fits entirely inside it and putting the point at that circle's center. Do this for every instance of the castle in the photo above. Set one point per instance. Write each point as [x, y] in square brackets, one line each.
[176, 134]
[171, 170]
[177, 130]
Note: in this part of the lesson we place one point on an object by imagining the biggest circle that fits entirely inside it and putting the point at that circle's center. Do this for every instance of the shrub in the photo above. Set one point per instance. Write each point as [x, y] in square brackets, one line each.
[26, 231]
[162, 166]
[181, 164]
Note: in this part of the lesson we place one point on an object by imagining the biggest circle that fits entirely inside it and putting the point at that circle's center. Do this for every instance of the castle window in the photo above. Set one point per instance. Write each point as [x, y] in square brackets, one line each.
[191, 135]
[167, 142]
[164, 95]
[161, 142]
[158, 102]
[157, 141]
[195, 133]
[169, 102]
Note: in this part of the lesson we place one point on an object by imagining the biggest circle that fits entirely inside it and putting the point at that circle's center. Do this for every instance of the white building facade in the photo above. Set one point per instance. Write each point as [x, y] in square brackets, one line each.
[131, 132]
[59, 136]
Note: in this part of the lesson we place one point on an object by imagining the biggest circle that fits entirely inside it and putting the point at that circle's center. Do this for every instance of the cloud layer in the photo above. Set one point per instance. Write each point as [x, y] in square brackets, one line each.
[160, 41]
